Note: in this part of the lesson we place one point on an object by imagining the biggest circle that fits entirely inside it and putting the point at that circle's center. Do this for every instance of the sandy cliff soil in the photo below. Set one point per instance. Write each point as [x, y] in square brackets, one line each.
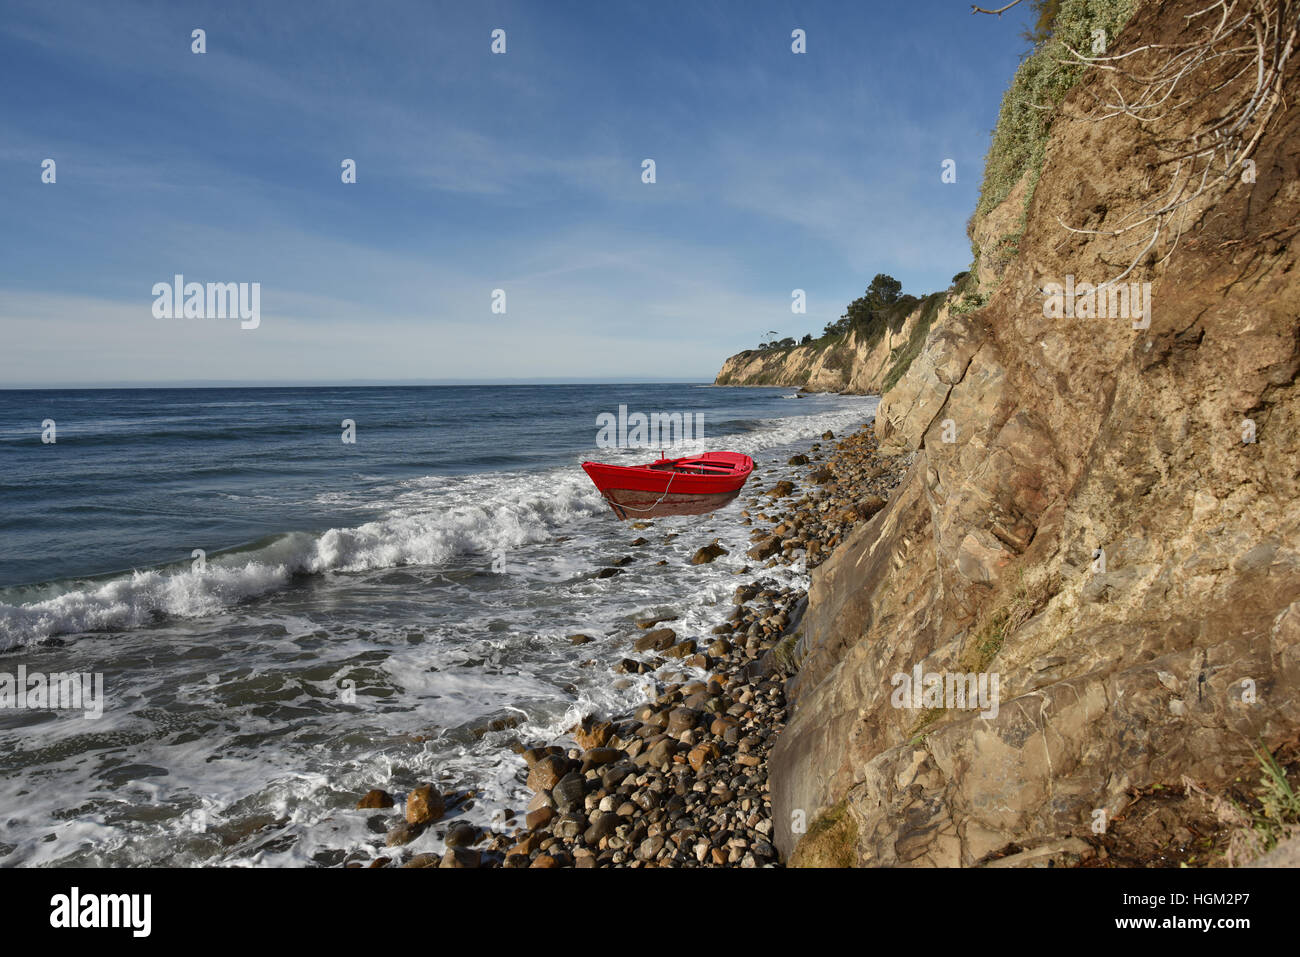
[855, 364]
[1107, 518]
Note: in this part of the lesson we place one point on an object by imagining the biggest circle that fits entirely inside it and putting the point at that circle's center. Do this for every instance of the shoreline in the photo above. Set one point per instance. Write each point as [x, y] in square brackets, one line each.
[681, 780]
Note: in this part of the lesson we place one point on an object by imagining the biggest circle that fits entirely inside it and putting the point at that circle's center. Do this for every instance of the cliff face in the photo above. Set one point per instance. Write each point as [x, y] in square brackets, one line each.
[854, 364]
[1106, 518]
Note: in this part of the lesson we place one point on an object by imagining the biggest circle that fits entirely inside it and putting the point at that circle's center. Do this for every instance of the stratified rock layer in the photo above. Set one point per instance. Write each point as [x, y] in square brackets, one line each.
[1082, 519]
[856, 364]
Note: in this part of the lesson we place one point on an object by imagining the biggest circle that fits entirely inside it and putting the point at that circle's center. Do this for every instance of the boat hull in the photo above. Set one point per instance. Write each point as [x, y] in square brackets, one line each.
[629, 503]
[691, 485]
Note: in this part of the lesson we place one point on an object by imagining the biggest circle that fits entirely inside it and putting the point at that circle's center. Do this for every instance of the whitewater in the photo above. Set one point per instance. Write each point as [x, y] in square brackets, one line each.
[249, 704]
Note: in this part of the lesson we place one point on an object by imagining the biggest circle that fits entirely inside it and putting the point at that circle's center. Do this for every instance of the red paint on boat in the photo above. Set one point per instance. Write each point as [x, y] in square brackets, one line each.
[687, 485]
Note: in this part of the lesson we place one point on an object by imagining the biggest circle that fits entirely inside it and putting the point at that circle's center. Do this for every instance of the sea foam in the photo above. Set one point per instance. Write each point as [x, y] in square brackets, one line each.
[430, 521]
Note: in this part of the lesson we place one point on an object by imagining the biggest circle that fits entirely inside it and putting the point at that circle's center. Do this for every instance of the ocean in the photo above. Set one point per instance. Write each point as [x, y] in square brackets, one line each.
[283, 620]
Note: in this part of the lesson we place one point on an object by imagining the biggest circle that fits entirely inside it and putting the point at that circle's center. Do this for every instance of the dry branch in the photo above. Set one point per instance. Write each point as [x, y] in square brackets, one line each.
[1256, 38]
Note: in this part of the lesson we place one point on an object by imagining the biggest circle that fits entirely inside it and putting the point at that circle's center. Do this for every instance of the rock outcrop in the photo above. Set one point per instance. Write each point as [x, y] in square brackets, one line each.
[1104, 518]
[855, 364]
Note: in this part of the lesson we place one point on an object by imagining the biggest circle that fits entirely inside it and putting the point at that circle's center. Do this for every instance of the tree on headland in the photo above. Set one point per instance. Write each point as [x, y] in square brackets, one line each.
[786, 343]
[866, 313]
[837, 328]
[883, 291]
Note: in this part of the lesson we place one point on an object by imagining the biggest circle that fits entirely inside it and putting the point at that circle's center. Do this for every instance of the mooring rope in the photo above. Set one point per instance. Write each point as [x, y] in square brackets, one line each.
[633, 508]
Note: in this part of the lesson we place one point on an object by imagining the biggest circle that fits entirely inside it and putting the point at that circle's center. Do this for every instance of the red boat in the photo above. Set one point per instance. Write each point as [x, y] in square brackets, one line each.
[687, 486]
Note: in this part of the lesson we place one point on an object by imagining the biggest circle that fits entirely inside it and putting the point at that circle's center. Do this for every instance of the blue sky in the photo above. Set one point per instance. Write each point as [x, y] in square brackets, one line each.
[476, 171]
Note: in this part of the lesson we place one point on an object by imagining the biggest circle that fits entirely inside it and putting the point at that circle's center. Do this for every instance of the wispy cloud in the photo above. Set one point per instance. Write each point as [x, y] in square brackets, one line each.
[475, 172]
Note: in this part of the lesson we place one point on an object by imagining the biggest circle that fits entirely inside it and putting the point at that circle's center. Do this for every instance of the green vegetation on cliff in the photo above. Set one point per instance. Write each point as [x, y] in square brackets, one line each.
[884, 309]
[830, 840]
[1017, 148]
[883, 306]
[1040, 84]
[901, 358]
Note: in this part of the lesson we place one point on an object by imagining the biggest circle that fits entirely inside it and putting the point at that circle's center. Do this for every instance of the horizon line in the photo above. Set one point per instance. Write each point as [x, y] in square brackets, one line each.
[353, 383]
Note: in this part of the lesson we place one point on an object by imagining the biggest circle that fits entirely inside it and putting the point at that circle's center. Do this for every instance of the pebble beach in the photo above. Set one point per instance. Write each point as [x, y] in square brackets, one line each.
[682, 780]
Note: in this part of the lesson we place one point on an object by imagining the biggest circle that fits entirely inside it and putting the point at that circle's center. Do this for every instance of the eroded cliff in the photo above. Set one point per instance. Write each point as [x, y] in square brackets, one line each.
[1102, 512]
[855, 363]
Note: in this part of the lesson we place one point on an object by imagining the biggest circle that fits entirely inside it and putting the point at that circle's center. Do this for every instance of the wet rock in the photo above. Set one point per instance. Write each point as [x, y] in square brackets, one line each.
[569, 826]
[702, 755]
[682, 719]
[595, 757]
[461, 834]
[547, 772]
[569, 791]
[539, 818]
[657, 640]
[532, 755]
[375, 799]
[527, 846]
[602, 826]
[614, 775]
[708, 553]
[403, 833]
[424, 805]
[659, 755]
[461, 857]
[650, 848]
[722, 724]
[645, 623]
[650, 715]
[593, 734]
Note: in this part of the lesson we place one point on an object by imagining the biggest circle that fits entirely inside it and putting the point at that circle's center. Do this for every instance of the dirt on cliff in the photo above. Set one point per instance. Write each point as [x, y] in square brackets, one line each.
[858, 362]
[1104, 510]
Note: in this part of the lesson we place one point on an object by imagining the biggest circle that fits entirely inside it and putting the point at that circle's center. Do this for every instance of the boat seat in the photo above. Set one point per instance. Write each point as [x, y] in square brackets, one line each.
[696, 467]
